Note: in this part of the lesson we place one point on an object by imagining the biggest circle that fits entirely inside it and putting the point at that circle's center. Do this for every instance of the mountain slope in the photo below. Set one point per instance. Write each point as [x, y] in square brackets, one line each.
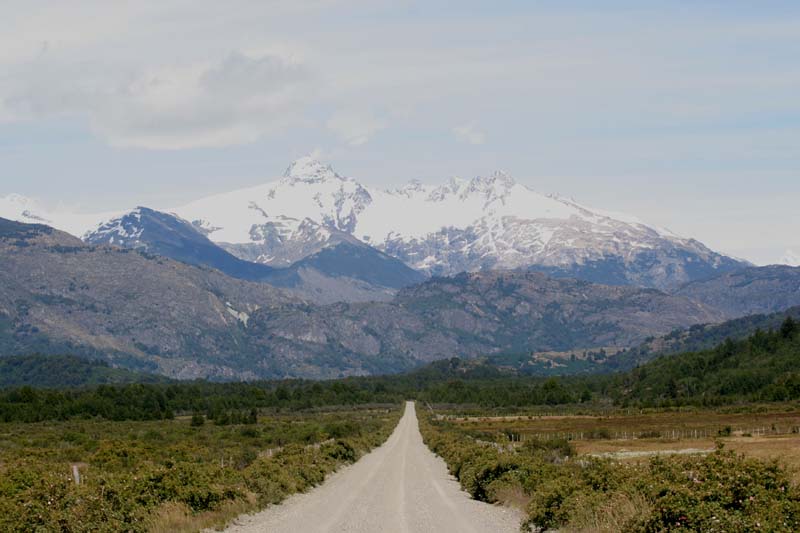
[471, 315]
[764, 366]
[699, 337]
[347, 271]
[60, 295]
[748, 291]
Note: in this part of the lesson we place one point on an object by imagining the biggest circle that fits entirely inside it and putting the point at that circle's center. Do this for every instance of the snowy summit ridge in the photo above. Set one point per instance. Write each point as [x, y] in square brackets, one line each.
[487, 222]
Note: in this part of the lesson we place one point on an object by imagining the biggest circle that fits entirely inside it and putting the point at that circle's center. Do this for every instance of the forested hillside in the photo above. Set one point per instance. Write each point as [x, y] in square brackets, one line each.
[698, 337]
[65, 371]
[764, 366]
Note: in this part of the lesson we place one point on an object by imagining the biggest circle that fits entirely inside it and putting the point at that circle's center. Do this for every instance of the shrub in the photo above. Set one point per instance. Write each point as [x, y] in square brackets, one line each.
[718, 492]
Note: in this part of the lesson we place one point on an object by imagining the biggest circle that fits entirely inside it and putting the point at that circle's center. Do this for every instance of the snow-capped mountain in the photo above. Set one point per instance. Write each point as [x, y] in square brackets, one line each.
[335, 266]
[463, 225]
[487, 222]
[27, 210]
[167, 235]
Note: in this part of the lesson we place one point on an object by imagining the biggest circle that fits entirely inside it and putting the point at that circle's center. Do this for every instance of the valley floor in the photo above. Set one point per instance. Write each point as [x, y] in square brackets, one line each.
[400, 487]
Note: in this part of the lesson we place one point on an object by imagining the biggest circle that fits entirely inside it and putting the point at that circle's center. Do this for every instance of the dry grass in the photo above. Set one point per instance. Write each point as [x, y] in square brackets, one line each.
[785, 449]
[512, 495]
[174, 517]
[615, 515]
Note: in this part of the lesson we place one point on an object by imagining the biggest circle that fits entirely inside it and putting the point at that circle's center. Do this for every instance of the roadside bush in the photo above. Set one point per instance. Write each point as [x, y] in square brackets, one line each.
[552, 449]
[720, 492]
[136, 474]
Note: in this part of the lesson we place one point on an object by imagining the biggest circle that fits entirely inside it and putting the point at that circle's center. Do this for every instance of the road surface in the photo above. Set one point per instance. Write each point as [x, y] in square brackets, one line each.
[399, 487]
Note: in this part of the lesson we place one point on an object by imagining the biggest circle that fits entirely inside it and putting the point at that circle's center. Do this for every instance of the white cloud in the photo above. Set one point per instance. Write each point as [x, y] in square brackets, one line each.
[355, 127]
[470, 134]
[791, 258]
[231, 101]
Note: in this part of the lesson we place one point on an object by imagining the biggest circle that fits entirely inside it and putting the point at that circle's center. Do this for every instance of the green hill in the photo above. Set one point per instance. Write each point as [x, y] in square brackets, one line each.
[699, 337]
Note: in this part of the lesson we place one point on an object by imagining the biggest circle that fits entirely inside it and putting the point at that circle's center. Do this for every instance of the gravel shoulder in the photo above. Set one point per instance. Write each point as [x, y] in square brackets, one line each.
[399, 487]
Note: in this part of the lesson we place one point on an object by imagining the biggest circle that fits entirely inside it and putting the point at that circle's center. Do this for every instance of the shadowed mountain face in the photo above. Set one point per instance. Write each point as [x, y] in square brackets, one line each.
[341, 269]
[346, 272]
[167, 235]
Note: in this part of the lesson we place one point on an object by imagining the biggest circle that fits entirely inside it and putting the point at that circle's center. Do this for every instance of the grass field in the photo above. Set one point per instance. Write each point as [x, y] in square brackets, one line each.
[765, 432]
[171, 475]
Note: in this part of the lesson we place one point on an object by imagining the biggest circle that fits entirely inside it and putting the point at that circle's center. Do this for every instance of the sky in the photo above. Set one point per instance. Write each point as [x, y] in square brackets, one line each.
[684, 113]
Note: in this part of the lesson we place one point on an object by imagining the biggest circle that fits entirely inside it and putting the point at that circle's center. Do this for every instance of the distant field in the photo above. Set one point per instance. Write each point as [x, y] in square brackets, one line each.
[765, 432]
[172, 475]
[684, 424]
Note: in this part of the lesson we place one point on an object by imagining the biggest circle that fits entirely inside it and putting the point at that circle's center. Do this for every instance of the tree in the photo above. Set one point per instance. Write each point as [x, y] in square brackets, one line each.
[789, 328]
[198, 420]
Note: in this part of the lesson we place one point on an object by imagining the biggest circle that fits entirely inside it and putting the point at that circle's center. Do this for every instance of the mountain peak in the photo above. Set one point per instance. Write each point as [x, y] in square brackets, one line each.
[308, 169]
[497, 181]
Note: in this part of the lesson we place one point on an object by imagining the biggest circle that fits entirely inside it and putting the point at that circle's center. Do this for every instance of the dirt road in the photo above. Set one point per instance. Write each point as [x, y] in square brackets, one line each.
[399, 487]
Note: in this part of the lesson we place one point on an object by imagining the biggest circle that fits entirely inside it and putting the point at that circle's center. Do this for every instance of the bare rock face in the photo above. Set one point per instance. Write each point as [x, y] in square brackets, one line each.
[476, 314]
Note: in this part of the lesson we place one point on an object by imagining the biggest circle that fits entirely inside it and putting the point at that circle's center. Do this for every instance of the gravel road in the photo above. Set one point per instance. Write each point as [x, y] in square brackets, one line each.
[399, 487]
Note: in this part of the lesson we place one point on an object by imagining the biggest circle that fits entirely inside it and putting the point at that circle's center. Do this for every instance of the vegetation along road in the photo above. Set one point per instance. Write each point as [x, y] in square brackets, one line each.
[400, 487]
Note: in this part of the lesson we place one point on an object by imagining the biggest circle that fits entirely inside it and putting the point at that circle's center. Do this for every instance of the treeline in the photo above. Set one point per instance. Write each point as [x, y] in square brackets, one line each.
[162, 401]
[762, 367]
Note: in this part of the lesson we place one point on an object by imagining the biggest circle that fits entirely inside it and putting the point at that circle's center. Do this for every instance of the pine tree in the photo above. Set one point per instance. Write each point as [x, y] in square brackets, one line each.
[789, 328]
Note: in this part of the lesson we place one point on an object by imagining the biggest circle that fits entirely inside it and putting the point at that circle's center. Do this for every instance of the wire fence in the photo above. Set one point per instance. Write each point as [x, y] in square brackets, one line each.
[670, 434]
